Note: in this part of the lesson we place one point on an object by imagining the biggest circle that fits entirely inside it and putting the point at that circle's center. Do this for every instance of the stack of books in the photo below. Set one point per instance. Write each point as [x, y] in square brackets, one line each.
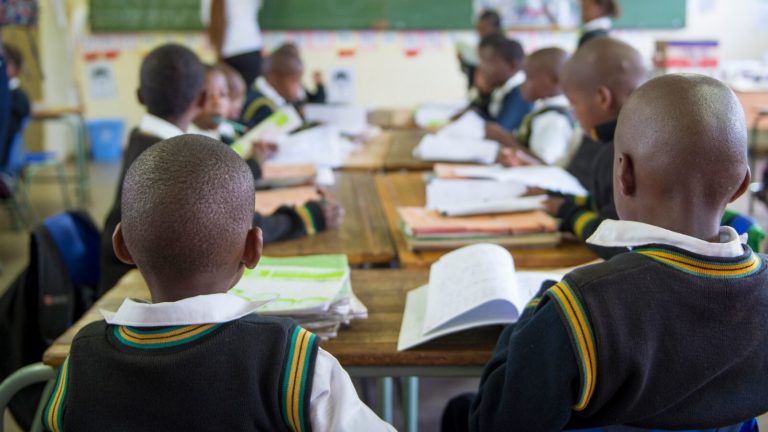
[314, 290]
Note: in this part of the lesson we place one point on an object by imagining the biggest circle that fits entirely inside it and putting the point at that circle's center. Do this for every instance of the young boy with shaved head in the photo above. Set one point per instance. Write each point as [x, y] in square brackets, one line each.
[545, 132]
[669, 336]
[597, 80]
[197, 358]
[280, 86]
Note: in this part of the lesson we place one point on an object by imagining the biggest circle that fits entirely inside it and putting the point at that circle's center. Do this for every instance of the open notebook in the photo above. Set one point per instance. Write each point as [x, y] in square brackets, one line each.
[471, 287]
[474, 197]
[437, 147]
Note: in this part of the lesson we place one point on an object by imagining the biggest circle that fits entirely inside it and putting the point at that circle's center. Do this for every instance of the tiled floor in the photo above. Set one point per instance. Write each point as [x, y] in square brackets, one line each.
[46, 201]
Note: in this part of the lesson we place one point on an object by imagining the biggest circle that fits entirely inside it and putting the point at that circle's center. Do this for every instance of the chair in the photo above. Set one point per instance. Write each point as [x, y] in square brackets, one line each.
[22, 379]
[25, 165]
[745, 225]
[13, 195]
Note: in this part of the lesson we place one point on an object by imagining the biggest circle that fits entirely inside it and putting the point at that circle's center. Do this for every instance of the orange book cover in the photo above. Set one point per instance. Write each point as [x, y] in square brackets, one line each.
[270, 200]
[424, 222]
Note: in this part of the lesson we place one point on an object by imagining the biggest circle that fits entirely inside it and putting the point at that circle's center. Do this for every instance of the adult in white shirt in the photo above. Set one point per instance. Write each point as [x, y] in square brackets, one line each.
[596, 18]
[233, 29]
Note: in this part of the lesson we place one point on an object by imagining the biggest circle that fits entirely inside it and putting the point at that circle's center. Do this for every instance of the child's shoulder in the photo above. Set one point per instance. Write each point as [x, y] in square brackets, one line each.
[617, 268]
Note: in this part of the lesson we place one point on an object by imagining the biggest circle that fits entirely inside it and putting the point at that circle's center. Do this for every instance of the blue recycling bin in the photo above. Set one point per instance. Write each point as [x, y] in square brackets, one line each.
[106, 136]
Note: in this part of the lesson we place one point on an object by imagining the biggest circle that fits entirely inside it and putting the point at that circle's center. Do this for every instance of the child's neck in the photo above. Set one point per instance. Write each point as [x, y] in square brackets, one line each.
[696, 223]
[171, 291]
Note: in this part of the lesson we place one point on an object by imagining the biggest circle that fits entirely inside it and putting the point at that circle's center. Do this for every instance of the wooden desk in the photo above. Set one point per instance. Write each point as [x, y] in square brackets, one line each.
[753, 103]
[388, 118]
[371, 155]
[367, 348]
[407, 189]
[363, 236]
[400, 154]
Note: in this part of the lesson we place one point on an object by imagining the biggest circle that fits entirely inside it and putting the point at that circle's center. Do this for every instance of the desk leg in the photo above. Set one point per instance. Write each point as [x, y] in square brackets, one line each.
[384, 387]
[411, 403]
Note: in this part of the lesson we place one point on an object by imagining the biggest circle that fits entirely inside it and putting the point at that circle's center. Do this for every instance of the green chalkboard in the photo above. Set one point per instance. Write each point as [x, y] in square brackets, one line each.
[645, 14]
[144, 15]
[365, 14]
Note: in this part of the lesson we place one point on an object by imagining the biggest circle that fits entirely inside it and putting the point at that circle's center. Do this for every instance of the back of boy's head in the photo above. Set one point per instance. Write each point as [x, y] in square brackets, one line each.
[284, 61]
[187, 206]
[508, 50]
[13, 55]
[548, 60]
[170, 81]
[488, 22]
[605, 62]
[686, 136]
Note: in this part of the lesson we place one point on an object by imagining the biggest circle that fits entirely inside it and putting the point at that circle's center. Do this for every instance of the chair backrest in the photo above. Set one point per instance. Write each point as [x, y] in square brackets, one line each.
[744, 224]
[748, 426]
[78, 242]
[16, 152]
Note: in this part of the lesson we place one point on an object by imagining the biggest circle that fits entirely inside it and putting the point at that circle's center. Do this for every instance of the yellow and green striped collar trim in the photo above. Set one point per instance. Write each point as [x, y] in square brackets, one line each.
[52, 416]
[583, 220]
[295, 379]
[746, 266]
[582, 337]
[164, 337]
[308, 219]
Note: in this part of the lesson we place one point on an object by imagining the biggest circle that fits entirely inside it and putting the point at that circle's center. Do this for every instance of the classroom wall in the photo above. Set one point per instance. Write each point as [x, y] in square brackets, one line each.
[392, 69]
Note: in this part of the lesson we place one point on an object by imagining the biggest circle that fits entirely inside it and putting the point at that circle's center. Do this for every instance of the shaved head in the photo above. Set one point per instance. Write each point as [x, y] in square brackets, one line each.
[685, 139]
[187, 207]
[551, 60]
[284, 61]
[605, 62]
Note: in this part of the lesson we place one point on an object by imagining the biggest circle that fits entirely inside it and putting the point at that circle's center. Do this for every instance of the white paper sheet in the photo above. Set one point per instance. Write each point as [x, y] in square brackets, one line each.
[322, 146]
[469, 125]
[450, 194]
[551, 178]
[350, 120]
[451, 149]
[430, 116]
[513, 205]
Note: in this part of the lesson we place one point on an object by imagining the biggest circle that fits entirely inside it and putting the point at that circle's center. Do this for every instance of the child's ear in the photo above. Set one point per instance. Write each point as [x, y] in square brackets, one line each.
[254, 244]
[625, 173]
[743, 186]
[139, 97]
[121, 249]
[604, 98]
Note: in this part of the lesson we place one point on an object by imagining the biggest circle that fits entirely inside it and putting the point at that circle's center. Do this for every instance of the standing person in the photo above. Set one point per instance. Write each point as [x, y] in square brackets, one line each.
[597, 18]
[5, 108]
[233, 29]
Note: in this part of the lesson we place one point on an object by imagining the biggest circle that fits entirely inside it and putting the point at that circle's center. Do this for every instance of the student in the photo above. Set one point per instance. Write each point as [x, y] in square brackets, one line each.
[237, 90]
[597, 80]
[669, 336]
[197, 358]
[210, 121]
[488, 23]
[547, 130]
[596, 16]
[305, 95]
[20, 107]
[500, 63]
[171, 84]
[279, 87]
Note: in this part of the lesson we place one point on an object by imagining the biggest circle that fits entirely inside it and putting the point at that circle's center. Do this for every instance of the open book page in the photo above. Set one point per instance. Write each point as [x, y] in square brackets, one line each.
[447, 195]
[432, 116]
[551, 178]
[495, 206]
[465, 279]
[276, 126]
[469, 125]
[411, 330]
[452, 149]
[350, 120]
[268, 201]
[447, 171]
[322, 146]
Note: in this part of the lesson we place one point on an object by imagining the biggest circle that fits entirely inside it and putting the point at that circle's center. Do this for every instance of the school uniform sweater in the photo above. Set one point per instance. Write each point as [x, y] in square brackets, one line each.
[662, 337]
[582, 215]
[286, 223]
[247, 374]
[261, 102]
[507, 106]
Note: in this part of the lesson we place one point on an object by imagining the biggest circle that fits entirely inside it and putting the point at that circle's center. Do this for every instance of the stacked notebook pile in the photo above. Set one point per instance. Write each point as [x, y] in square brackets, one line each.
[460, 141]
[314, 290]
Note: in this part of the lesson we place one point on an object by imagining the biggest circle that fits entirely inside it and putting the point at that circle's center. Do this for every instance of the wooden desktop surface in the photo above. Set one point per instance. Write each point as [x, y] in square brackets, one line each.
[371, 342]
[407, 189]
[363, 236]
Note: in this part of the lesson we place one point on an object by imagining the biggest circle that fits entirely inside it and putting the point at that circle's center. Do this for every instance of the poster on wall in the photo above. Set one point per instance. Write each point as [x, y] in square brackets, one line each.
[101, 80]
[534, 13]
[341, 85]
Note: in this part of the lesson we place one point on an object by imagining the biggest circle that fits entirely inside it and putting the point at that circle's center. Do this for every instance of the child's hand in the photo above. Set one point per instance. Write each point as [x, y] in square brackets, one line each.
[263, 151]
[514, 158]
[552, 205]
[332, 210]
[494, 132]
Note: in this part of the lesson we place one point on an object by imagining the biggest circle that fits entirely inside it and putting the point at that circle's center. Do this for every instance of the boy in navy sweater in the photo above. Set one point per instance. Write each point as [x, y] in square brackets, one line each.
[197, 358]
[668, 336]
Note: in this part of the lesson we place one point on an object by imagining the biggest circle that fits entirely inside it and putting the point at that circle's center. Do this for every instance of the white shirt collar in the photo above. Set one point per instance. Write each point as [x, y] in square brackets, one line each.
[602, 23]
[554, 101]
[14, 83]
[267, 90]
[497, 97]
[203, 309]
[613, 233]
[155, 126]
